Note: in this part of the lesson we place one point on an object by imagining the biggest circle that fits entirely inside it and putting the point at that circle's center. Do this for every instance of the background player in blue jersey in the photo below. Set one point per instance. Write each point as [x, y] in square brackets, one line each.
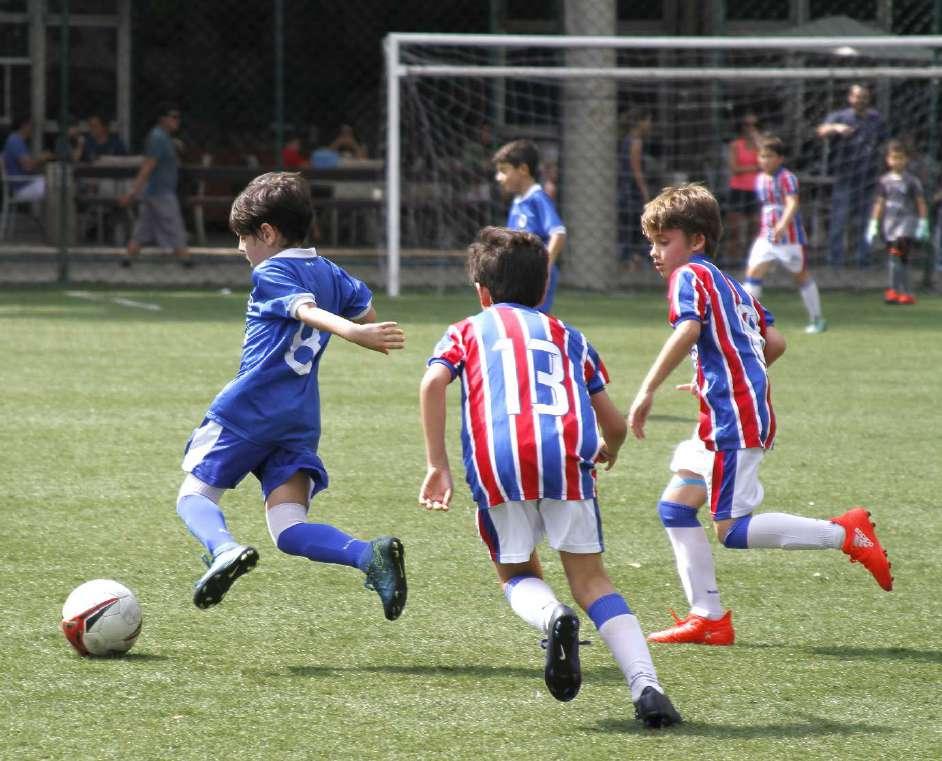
[732, 339]
[533, 394]
[266, 421]
[518, 164]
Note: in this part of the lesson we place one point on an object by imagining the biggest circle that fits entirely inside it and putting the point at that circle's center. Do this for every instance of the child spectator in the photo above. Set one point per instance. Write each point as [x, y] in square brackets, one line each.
[533, 392]
[267, 420]
[781, 235]
[901, 204]
[732, 340]
[518, 164]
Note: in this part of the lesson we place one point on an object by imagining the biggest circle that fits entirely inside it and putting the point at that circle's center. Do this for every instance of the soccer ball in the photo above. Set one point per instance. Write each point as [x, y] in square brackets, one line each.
[101, 617]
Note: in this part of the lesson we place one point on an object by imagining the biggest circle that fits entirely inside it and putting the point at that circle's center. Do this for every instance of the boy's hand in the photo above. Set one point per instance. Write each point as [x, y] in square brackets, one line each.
[690, 388]
[379, 336]
[435, 493]
[606, 456]
[873, 227]
[638, 414]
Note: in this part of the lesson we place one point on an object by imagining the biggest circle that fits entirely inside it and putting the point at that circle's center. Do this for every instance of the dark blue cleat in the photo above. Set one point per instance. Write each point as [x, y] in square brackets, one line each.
[655, 710]
[386, 575]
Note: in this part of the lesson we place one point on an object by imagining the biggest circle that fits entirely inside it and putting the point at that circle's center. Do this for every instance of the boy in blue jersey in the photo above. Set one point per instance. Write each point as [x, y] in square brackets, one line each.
[266, 421]
[732, 340]
[534, 400]
[518, 165]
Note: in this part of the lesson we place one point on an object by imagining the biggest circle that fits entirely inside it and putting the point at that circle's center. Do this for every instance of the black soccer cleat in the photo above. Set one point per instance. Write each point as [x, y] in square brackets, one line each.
[654, 709]
[225, 568]
[563, 674]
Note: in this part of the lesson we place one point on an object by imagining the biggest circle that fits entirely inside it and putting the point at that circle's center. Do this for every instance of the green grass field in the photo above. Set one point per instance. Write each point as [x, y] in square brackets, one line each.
[98, 398]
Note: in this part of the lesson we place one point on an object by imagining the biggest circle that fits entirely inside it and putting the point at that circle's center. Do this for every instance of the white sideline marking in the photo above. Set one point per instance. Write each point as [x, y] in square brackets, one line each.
[88, 296]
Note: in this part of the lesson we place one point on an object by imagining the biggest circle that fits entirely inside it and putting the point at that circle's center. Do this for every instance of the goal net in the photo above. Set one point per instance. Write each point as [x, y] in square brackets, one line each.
[618, 118]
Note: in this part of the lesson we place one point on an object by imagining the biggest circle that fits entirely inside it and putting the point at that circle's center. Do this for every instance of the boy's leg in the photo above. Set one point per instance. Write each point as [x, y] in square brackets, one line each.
[511, 532]
[739, 493]
[214, 456]
[620, 631]
[382, 560]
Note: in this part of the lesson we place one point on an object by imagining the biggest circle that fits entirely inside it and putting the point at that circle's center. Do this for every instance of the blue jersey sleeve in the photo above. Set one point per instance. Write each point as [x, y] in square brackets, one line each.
[549, 220]
[277, 293]
[355, 296]
[688, 300]
[596, 376]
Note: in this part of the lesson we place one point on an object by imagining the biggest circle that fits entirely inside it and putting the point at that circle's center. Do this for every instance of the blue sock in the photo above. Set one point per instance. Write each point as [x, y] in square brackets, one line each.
[205, 521]
[323, 543]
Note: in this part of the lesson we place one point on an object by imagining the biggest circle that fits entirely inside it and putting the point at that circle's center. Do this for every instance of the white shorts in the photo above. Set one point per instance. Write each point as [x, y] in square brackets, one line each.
[512, 530]
[732, 476]
[790, 255]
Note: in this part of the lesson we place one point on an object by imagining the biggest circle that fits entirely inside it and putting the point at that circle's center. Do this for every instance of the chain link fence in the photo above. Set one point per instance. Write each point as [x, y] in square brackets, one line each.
[253, 79]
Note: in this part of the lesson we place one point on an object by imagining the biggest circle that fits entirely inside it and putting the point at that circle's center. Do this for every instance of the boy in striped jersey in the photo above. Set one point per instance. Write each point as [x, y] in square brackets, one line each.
[533, 394]
[732, 340]
[781, 235]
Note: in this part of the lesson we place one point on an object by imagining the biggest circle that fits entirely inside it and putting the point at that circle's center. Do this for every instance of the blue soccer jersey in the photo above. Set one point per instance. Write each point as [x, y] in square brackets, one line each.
[535, 212]
[274, 398]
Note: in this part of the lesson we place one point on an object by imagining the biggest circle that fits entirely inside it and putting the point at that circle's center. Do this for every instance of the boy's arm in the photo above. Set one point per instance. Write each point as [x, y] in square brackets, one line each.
[378, 336]
[922, 229]
[873, 227]
[435, 493]
[555, 246]
[774, 345]
[675, 348]
[791, 209]
[612, 425]
[146, 170]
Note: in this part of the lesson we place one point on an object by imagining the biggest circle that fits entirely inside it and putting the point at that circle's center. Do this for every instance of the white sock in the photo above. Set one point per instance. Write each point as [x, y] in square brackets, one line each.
[696, 570]
[531, 599]
[622, 634]
[793, 532]
[812, 299]
[753, 288]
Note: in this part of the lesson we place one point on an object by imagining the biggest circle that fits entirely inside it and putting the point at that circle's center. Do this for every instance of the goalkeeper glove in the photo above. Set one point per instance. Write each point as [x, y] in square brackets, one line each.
[922, 229]
[872, 230]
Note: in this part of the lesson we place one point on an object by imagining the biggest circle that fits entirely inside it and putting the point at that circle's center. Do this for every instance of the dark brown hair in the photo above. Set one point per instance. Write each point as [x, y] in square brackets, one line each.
[520, 153]
[511, 264]
[690, 208]
[282, 199]
[770, 142]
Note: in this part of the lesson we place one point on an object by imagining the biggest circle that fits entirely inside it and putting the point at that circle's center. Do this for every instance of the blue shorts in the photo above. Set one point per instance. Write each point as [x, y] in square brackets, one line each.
[220, 458]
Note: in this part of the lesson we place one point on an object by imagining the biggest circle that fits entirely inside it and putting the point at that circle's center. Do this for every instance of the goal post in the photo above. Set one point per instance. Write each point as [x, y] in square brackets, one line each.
[576, 97]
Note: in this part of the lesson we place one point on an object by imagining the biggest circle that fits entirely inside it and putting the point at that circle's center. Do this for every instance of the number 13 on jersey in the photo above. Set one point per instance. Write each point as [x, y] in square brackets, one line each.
[551, 379]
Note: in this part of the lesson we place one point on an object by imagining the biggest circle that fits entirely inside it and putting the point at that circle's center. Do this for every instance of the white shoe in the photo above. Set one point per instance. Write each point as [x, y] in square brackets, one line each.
[818, 326]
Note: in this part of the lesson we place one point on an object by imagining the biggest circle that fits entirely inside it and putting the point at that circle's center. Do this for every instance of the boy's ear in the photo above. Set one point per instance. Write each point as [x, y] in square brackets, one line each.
[484, 295]
[697, 242]
[268, 234]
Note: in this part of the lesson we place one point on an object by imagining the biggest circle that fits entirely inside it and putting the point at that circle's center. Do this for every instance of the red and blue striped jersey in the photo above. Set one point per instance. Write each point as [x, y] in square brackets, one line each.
[731, 376]
[771, 190]
[528, 427]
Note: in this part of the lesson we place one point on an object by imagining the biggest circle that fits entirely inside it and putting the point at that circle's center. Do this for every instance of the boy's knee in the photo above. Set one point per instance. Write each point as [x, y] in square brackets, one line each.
[282, 517]
[735, 533]
[677, 515]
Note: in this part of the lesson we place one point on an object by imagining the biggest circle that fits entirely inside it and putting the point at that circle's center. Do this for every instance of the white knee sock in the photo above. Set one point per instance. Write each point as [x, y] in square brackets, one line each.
[793, 532]
[531, 599]
[812, 299]
[696, 570]
[622, 634]
[753, 286]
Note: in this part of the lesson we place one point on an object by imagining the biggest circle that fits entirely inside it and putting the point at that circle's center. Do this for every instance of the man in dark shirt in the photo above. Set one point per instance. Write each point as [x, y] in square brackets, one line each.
[854, 134]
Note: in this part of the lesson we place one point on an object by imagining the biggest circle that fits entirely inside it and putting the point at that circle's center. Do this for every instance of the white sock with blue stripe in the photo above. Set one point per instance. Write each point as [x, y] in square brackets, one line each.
[532, 599]
[694, 558]
[620, 631]
[753, 286]
[792, 532]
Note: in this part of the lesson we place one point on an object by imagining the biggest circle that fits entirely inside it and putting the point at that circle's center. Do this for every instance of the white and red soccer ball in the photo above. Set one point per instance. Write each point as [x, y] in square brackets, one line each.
[101, 617]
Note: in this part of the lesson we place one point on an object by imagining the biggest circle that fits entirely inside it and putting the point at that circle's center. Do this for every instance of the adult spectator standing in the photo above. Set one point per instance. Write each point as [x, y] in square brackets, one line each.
[292, 157]
[633, 192]
[855, 134]
[19, 161]
[100, 140]
[742, 206]
[159, 217]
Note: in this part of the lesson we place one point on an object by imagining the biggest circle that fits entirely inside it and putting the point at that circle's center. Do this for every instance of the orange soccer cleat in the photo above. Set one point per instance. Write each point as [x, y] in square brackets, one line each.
[906, 299]
[862, 545]
[697, 630]
[890, 296]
